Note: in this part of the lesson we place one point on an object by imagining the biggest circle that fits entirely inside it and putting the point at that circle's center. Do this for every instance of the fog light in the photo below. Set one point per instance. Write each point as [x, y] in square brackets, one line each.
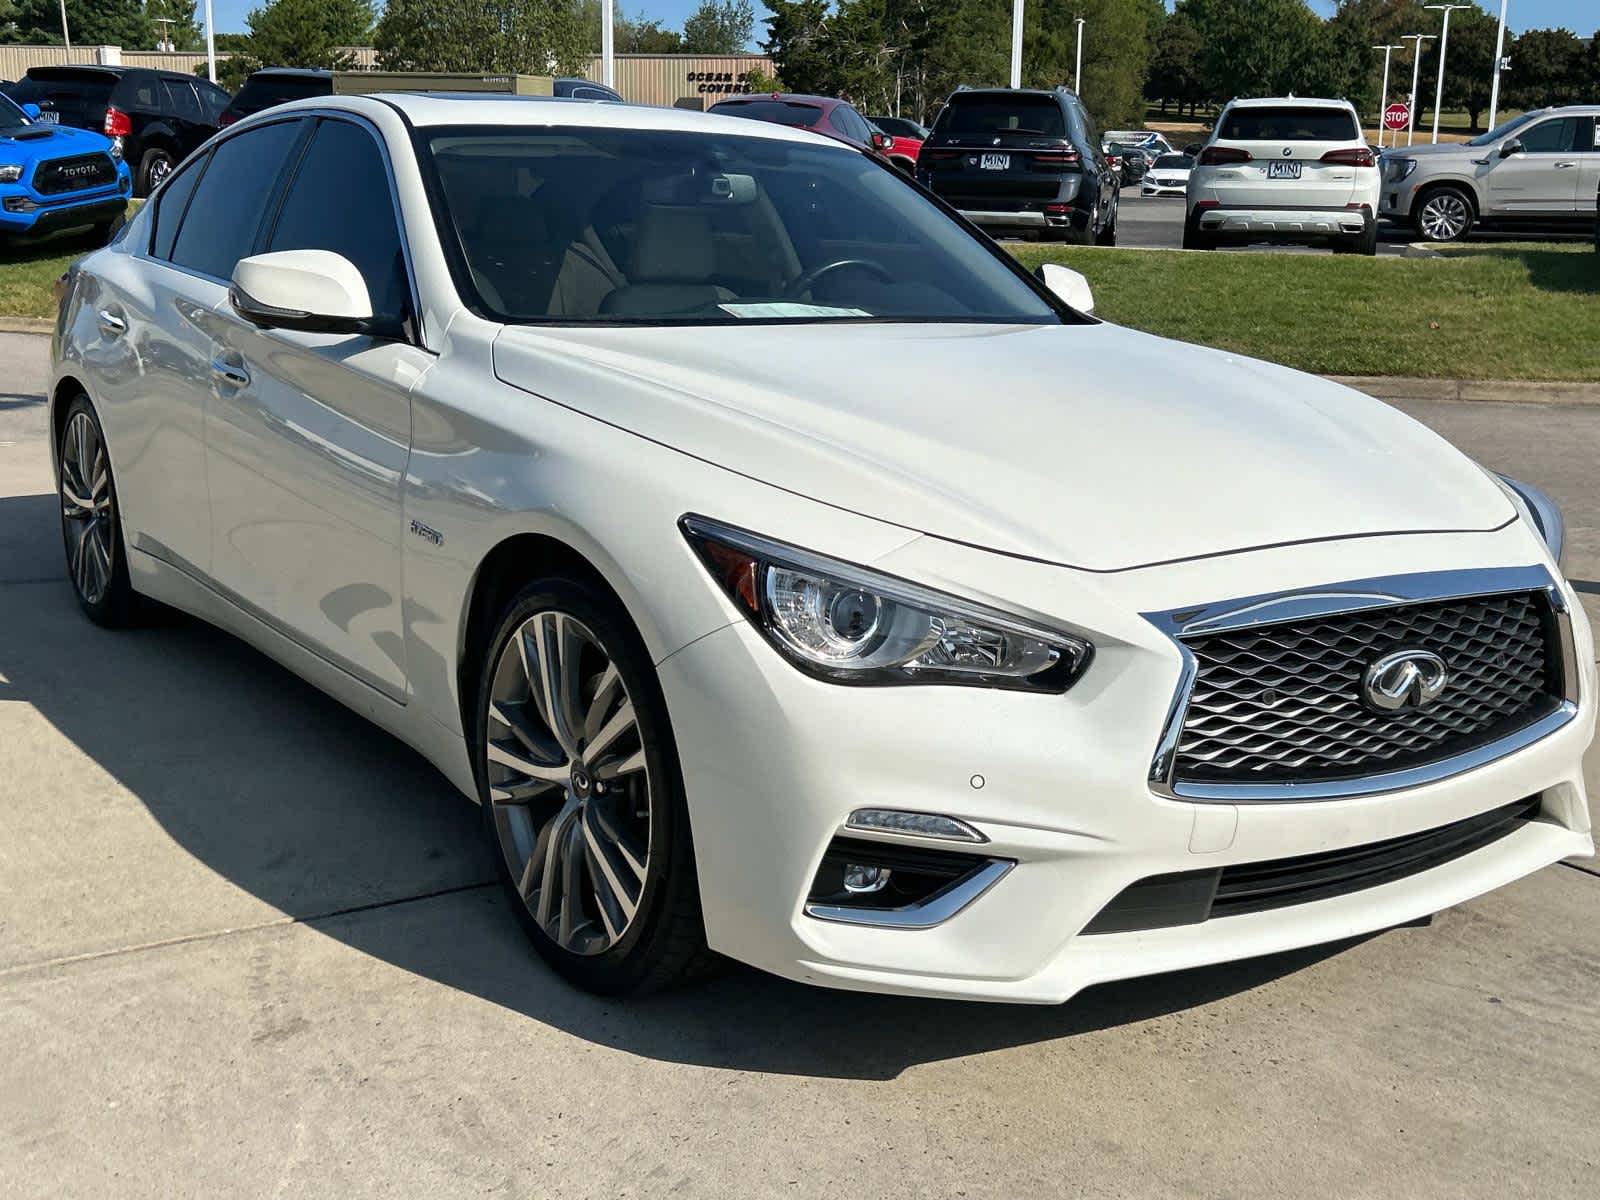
[915, 824]
[862, 880]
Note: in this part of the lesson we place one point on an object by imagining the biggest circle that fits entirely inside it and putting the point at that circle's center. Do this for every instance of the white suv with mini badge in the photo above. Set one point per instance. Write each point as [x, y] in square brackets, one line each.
[1285, 170]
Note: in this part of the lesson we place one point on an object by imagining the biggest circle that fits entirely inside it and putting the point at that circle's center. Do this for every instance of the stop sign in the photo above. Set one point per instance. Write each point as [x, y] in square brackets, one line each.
[1396, 116]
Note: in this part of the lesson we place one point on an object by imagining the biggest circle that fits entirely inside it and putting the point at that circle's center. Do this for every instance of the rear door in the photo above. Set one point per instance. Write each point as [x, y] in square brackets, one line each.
[185, 114]
[1286, 144]
[310, 432]
[1542, 178]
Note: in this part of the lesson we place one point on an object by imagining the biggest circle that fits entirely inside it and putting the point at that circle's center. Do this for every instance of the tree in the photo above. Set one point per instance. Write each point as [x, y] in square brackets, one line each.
[628, 35]
[91, 23]
[1257, 47]
[719, 27]
[1177, 65]
[1548, 67]
[537, 37]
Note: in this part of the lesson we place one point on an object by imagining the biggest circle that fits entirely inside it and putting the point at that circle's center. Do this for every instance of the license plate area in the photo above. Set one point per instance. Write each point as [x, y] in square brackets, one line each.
[994, 162]
[1283, 170]
[47, 117]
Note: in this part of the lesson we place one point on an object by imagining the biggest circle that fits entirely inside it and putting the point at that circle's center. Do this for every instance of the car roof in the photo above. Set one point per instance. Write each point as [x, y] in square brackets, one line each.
[533, 112]
[783, 98]
[1280, 101]
[302, 72]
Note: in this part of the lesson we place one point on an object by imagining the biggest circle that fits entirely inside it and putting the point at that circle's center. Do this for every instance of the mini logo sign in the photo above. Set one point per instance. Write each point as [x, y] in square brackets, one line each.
[1404, 680]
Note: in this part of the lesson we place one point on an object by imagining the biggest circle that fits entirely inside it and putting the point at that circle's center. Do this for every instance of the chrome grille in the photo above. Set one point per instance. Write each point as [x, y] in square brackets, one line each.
[1282, 702]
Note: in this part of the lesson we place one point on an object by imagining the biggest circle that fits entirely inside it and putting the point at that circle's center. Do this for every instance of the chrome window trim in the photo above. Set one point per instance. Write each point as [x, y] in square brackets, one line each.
[935, 910]
[1296, 604]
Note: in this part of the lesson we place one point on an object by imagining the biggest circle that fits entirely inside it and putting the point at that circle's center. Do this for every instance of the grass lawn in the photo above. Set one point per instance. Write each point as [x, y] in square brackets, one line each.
[27, 272]
[1523, 311]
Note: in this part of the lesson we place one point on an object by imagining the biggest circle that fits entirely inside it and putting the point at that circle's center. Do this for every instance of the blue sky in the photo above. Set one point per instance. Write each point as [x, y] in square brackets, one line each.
[1522, 14]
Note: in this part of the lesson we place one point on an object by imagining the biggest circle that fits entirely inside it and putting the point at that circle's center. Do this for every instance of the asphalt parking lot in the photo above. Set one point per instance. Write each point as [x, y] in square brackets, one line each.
[249, 947]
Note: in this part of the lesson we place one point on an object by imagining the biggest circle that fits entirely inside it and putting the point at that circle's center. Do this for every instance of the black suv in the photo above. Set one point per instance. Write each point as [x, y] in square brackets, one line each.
[160, 116]
[1018, 161]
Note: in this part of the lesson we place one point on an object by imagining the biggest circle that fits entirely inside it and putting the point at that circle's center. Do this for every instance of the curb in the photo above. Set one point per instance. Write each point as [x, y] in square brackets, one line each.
[1420, 250]
[1521, 391]
[26, 325]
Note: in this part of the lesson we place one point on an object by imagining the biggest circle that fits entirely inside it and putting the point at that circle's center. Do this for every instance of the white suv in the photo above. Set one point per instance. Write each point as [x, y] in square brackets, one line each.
[1285, 170]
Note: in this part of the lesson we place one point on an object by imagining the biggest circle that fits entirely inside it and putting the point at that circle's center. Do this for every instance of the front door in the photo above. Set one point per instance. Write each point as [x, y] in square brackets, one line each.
[1542, 177]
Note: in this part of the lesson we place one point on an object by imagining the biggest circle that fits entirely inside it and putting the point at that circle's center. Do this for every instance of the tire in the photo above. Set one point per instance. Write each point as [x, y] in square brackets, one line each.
[155, 165]
[91, 521]
[608, 895]
[1194, 239]
[1443, 214]
[1365, 242]
[1108, 234]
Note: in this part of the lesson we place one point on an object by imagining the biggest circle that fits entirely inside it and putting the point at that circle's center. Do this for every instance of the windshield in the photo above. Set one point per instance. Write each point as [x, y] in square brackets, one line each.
[900, 127]
[11, 116]
[1174, 162]
[1500, 130]
[1001, 112]
[77, 97]
[265, 91]
[776, 112]
[1289, 124]
[591, 225]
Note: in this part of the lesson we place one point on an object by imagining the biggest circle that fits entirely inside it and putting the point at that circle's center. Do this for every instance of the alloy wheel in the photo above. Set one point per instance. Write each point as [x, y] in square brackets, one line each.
[1445, 217]
[160, 168]
[569, 783]
[87, 510]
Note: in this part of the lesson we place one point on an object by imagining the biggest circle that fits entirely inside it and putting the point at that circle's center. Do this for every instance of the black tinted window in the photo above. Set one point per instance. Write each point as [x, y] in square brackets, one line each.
[225, 214]
[999, 112]
[263, 91]
[139, 90]
[182, 101]
[1552, 137]
[169, 202]
[344, 159]
[594, 93]
[75, 95]
[1289, 124]
[778, 112]
[212, 99]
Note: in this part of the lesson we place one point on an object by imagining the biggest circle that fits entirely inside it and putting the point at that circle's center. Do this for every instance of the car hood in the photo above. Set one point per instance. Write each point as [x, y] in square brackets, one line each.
[1090, 445]
[51, 141]
[1442, 149]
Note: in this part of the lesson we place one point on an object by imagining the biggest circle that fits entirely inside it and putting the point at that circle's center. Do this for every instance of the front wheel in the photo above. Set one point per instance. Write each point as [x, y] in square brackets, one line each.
[582, 795]
[1444, 215]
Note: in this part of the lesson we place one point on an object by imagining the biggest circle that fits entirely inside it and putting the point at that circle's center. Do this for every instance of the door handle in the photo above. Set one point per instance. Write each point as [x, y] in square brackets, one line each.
[110, 324]
[232, 374]
[1563, 165]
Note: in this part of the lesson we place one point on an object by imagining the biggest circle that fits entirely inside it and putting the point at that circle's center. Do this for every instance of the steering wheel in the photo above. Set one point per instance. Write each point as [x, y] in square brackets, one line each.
[807, 281]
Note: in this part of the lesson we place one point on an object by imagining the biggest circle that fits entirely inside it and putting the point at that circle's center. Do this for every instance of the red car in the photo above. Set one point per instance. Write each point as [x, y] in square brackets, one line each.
[837, 119]
[905, 140]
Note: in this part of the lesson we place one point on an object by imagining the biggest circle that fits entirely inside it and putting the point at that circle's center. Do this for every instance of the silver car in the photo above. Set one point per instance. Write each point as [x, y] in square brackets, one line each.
[1541, 168]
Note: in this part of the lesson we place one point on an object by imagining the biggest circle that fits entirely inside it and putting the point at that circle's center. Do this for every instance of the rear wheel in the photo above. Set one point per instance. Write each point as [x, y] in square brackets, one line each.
[1194, 238]
[91, 525]
[582, 795]
[1108, 234]
[1443, 215]
[154, 166]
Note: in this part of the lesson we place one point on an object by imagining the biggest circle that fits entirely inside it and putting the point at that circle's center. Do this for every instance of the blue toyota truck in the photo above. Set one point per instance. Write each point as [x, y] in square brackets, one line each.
[54, 177]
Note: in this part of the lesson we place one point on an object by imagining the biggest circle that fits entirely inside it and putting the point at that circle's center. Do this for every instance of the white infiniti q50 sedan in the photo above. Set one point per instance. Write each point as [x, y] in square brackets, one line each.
[748, 536]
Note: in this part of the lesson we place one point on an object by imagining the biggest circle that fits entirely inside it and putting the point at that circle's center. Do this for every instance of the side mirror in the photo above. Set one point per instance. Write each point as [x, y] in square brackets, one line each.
[31, 111]
[1514, 146]
[316, 291]
[881, 141]
[1068, 286]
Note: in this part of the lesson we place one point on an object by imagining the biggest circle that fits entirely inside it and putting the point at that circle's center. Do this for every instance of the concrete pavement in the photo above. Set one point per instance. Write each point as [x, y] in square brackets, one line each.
[248, 947]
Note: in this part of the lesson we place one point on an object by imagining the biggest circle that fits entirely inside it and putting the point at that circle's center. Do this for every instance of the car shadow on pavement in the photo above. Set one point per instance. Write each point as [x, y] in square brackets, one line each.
[307, 807]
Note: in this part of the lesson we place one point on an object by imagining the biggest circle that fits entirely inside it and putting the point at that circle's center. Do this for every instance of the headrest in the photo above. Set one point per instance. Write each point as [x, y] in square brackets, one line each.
[673, 245]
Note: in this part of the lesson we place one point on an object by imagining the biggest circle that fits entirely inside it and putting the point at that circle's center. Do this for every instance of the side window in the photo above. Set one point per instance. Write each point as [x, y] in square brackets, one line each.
[593, 93]
[181, 100]
[344, 159]
[213, 100]
[139, 90]
[225, 214]
[1550, 137]
[169, 205]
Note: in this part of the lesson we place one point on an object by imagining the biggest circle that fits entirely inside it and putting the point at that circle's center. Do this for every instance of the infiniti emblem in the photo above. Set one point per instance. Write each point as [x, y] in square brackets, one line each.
[1406, 679]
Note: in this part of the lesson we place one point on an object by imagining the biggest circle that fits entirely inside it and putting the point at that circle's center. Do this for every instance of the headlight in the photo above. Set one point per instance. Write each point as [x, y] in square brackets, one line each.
[10, 172]
[1399, 168]
[849, 624]
[1541, 512]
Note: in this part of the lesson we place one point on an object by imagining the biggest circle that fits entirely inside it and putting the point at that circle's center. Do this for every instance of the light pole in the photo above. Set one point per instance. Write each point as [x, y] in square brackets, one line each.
[1016, 43]
[1383, 105]
[1499, 57]
[607, 57]
[1416, 70]
[1444, 41]
[65, 36]
[211, 43]
[1077, 78]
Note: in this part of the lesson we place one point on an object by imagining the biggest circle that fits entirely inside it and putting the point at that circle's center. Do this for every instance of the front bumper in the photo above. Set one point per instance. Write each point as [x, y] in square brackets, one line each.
[24, 212]
[1060, 787]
